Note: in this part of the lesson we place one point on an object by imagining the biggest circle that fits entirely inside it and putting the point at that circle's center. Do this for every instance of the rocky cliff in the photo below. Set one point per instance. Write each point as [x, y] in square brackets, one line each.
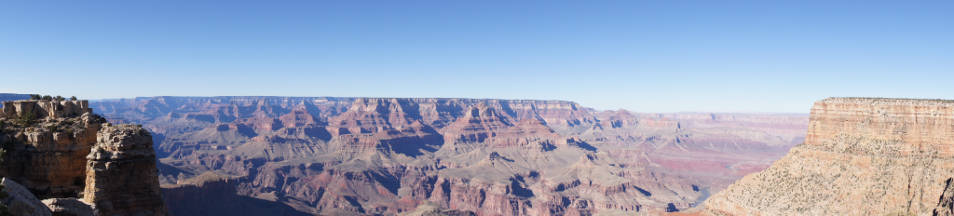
[121, 173]
[47, 143]
[322, 155]
[58, 148]
[861, 156]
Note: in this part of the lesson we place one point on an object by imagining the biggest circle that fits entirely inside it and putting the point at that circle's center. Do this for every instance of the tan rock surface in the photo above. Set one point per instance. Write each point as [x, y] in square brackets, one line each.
[861, 156]
[45, 108]
[121, 174]
[47, 154]
[60, 151]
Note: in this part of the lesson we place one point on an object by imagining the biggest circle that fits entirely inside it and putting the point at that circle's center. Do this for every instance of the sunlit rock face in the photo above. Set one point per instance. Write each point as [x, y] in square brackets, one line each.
[46, 144]
[320, 155]
[861, 156]
[76, 162]
[121, 173]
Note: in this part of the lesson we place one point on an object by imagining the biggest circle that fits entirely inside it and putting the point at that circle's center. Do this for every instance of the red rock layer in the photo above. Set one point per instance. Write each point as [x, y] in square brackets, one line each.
[395, 155]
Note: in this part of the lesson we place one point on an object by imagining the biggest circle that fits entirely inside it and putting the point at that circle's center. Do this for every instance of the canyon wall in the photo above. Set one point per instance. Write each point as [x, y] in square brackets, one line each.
[861, 156]
[325, 155]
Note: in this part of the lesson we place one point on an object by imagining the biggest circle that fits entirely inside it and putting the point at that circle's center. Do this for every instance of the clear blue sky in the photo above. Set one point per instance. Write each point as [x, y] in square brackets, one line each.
[649, 56]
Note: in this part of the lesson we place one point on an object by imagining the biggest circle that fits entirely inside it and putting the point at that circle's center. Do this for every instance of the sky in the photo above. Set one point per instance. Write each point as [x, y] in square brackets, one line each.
[645, 56]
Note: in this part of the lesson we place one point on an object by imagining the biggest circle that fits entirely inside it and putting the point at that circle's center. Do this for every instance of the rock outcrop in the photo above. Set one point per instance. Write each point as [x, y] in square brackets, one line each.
[47, 143]
[121, 173]
[861, 156]
[348, 156]
[46, 108]
[47, 147]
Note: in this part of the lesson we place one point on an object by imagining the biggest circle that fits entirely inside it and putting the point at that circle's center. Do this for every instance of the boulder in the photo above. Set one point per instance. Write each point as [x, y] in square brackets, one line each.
[68, 207]
[20, 201]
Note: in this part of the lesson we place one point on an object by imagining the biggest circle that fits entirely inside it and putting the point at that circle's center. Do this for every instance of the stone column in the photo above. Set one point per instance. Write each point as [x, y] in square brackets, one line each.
[121, 174]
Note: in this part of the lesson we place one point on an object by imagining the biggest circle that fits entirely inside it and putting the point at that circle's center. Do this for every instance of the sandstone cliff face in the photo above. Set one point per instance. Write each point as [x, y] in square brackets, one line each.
[489, 157]
[46, 109]
[61, 151]
[861, 156]
[47, 143]
[121, 174]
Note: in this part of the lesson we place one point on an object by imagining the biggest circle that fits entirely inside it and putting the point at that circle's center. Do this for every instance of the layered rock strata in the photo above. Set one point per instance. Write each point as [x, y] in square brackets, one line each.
[46, 108]
[46, 144]
[121, 174]
[352, 156]
[60, 151]
[861, 156]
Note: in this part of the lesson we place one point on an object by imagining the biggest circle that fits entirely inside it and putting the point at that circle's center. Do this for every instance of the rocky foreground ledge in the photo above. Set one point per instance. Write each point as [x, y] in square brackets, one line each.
[861, 156]
[61, 152]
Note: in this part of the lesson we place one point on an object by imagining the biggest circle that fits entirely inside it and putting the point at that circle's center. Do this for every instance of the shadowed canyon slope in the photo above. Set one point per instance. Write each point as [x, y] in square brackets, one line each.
[861, 156]
[320, 155]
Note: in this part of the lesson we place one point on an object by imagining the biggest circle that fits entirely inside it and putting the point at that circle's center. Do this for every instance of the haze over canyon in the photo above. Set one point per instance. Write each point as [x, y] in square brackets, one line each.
[322, 155]
[454, 156]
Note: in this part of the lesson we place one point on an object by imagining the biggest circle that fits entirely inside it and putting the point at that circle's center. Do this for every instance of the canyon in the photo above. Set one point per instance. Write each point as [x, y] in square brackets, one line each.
[451, 156]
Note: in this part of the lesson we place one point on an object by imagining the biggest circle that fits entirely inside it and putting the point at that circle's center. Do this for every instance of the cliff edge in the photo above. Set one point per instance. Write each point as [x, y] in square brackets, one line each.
[60, 151]
[861, 156]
